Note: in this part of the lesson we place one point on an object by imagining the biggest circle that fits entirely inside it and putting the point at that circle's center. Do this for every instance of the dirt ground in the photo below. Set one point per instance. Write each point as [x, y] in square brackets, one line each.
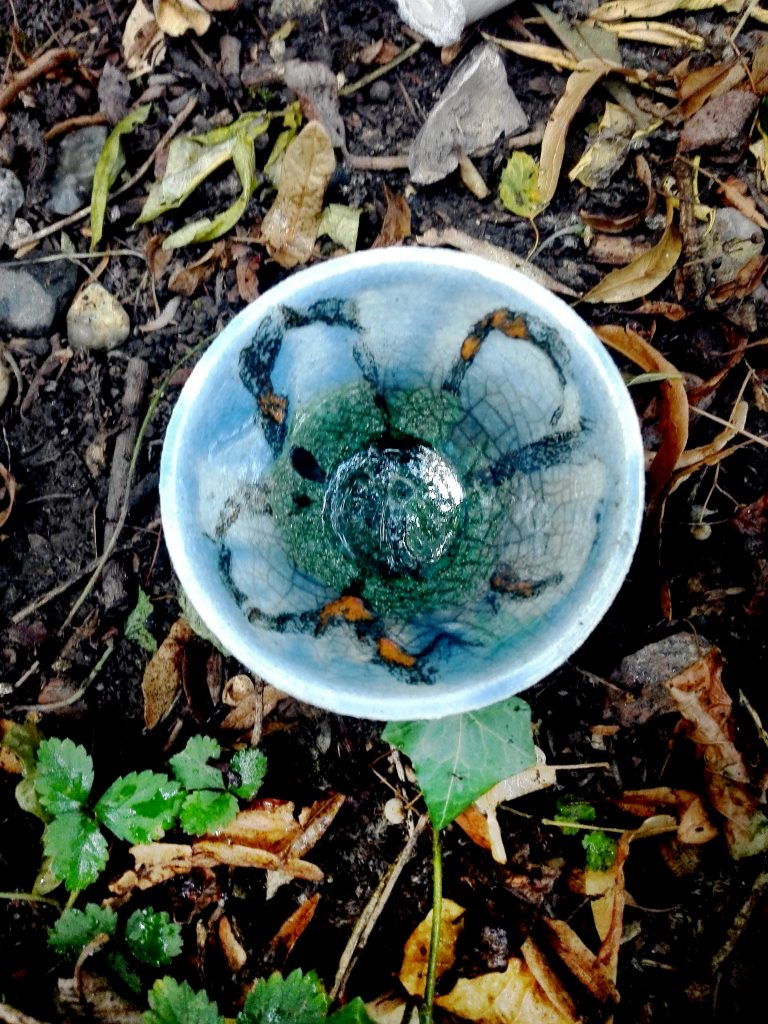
[695, 921]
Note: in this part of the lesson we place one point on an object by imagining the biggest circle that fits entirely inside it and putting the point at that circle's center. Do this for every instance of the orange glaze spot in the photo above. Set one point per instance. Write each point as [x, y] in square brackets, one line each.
[273, 405]
[470, 347]
[394, 653]
[516, 328]
[352, 609]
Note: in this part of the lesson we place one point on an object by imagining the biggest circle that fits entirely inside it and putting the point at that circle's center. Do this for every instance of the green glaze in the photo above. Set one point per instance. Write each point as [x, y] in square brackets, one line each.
[387, 512]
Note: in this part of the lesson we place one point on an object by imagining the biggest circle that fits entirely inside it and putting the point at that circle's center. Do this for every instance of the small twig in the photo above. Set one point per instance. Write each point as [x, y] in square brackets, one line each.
[55, 257]
[742, 919]
[79, 215]
[366, 922]
[377, 163]
[45, 63]
[73, 698]
[54, 592]
[361, 83]
[71, 123]
[136, 376]
[724, 423]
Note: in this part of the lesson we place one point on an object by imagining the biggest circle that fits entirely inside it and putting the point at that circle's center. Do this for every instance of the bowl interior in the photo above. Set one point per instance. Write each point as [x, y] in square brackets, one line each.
[403, 484]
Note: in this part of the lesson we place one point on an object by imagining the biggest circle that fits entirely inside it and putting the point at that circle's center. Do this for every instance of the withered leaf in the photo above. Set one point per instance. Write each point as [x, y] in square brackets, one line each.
[504, 998]
[290, 227]
[175, 17]
[747, 279]
[643, 274]
[7, 494]
[163, 676]
[413, 971]
[397, 221]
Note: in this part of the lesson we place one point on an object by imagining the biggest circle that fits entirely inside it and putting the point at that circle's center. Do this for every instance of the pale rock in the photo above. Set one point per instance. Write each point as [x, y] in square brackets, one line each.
[96, 320]
[31, 297]
[732, 240]
[11, 198]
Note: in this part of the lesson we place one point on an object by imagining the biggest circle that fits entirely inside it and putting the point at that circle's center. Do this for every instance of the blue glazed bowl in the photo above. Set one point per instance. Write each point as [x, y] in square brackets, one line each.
[403, 484]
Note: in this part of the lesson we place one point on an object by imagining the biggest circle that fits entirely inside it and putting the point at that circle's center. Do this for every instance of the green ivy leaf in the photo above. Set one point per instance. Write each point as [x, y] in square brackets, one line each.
[353, 1013]
[190, 767]
[173, 1002]
[152, 937]
[205, 811]
[251, 765]
[111, 161]
[140, 807]
[519, 186]
[457, 759]
[77, 849]
[297, 999]
[76, 928]
[136, 629]
[64, 775]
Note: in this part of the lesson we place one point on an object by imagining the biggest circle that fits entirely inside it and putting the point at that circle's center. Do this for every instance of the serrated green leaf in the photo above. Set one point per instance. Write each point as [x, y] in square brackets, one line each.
[111, 161]
[341, 224]
[353, 1013]
[457, 759]
[140, 807]
[76, 928]
[26, 798]
[152, 937]
[77, 849]
[251, 765]
[519, 186]
[190, 765]
[298, 999]
[136, 629]
[173, 1002]
[119, 965]
[205, 811]
[63, 776]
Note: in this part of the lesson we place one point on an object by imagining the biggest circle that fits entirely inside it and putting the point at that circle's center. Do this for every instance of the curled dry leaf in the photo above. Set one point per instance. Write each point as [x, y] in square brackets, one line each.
[175, 17]
[290, 227]
[744, 283]
[674, 401]
[397, 221]
[143, 42]
[694, 825]
[164, 675]
[735, 192]
[247, 276]
[233, 950]
[695, 88]
[643, 274]
[617, 10]
[503, 998]
[7, 494]
[413, 972]
[293, 927]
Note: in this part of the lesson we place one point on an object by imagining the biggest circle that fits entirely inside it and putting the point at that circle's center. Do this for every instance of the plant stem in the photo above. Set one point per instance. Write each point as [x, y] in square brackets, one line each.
[425, 1017]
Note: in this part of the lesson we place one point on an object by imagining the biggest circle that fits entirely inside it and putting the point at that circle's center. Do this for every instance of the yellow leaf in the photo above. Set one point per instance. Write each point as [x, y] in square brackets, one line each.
[519, 186]
[553, 144]
[513, 997]
[290, 227]
[656, 32]
[618, 10]
[175, 17]
[414, 970]
[643, 274]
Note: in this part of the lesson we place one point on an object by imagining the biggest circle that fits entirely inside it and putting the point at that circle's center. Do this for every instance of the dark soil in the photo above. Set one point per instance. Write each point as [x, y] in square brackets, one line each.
[58, 430]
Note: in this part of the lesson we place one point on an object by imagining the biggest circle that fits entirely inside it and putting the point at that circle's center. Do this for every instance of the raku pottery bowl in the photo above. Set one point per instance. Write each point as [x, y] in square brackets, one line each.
[405, 483]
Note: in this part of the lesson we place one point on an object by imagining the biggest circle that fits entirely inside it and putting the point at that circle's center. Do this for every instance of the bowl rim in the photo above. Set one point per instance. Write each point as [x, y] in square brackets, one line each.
[417, 702]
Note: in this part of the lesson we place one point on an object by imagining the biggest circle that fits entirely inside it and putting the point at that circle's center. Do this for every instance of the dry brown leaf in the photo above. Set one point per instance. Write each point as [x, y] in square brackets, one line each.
[247, 276]
[164, 675]
[548, 980]
[735, 192]
[293, 927]
[674, 404]
[694, 825]
[157, 257]
[220, 5]
[290, 227]
[266, 824]
[643, 274]
[670, 310]
[413, 972]
[143, 42]
[511, 997]
[695, 88]
[747, 279]
[240, 695]
[581, 961]
[553, 144]
[694, 458]
[759, 78]
[315, 822]
[7, 494]
[706, 710]
[397, 221]
[175, 17]
[9, 762]
[233, 950]
[210, 852]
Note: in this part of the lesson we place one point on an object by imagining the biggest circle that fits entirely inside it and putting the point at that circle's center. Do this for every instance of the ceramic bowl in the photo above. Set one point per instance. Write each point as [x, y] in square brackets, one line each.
[403, 484]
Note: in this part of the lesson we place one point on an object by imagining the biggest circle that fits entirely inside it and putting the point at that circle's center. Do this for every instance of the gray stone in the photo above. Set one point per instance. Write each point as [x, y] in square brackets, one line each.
[380, 91]
[732, 241]
[96, 320]
[11, 198]
[77, 157]
[477, 107]
[31, 297]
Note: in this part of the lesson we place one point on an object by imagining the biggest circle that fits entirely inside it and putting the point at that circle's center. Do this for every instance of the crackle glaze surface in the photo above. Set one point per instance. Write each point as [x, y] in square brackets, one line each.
[403, 484]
